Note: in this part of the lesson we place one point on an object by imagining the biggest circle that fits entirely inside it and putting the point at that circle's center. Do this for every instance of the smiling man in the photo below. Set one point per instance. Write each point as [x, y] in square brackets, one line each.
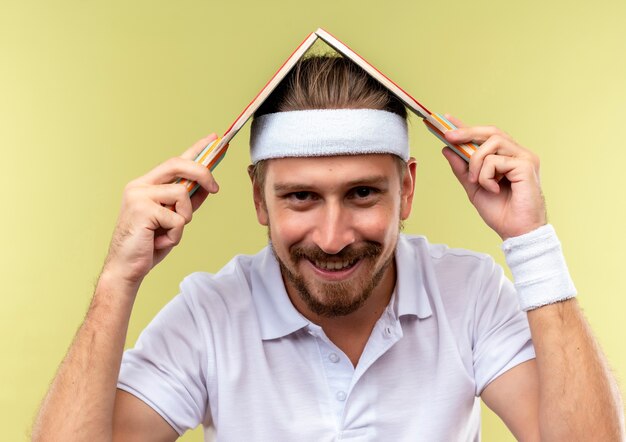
[334, 226]
[342, 328]
[334, 240]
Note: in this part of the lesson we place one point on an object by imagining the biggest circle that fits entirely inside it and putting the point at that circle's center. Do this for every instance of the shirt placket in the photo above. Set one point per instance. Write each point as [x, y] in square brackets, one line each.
[338, 370]
[341, 375]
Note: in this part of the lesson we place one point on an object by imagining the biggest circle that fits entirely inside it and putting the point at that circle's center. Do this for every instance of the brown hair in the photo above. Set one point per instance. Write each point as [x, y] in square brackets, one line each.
[327, 82]
[330, 82]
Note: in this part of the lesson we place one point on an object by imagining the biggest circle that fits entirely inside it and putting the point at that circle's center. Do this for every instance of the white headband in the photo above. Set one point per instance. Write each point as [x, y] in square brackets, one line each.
[326, 132]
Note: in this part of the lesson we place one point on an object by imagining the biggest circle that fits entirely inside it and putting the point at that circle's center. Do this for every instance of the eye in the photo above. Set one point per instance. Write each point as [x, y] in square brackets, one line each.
[365, 195]
[363, 192]
[301, 196]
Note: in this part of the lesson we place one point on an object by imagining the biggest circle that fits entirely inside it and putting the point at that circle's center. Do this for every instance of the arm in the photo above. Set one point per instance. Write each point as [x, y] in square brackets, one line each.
[569, 393]
[83, 402]
[133, 420]
[581, 400]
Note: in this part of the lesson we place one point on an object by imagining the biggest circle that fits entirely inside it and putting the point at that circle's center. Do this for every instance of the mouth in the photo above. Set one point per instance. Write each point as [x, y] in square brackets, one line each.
[334, 270]
[334, 266]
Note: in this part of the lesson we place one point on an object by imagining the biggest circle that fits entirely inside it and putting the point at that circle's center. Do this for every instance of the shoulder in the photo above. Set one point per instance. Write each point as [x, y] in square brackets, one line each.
[455, 279]
[232, 277]
[217, 297]
[446, 260]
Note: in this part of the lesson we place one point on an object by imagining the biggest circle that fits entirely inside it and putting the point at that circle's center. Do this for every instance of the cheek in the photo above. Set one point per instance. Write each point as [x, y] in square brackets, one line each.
[380, 225]
[288, 227]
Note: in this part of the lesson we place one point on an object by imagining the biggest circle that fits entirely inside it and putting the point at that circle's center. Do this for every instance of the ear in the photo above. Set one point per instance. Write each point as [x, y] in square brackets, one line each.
[259, 201]
[408, 188]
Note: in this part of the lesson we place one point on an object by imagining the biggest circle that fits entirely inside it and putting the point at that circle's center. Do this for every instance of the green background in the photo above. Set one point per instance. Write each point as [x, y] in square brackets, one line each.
[94, 94]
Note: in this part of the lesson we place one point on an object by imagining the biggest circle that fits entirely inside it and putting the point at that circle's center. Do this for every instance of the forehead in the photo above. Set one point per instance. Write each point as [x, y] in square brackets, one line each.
[336, 169]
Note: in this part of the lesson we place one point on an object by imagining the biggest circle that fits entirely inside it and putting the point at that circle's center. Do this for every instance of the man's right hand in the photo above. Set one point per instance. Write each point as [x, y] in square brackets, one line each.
[146, 229]
[84, 387]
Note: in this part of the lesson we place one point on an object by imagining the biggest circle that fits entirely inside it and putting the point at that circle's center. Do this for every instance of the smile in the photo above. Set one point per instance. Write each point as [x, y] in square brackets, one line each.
[334, 265]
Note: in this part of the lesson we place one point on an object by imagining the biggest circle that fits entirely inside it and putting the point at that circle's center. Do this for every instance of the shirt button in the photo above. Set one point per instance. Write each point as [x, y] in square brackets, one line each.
[388, 331]
[341, 396]
[333, 357]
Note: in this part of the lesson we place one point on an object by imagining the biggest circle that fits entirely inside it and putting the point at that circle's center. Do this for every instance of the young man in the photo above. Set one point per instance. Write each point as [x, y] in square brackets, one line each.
[342, 328]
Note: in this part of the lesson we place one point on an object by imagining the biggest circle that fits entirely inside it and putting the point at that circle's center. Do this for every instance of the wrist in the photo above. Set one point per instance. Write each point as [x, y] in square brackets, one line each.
[538, 266]
[117, 283]
[111, 305]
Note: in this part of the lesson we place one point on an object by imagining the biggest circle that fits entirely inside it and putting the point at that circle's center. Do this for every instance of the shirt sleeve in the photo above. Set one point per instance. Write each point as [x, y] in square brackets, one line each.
[167, 367]
[501, 335]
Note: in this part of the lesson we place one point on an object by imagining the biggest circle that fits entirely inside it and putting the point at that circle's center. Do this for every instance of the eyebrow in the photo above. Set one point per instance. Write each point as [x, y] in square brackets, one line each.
[368, 181]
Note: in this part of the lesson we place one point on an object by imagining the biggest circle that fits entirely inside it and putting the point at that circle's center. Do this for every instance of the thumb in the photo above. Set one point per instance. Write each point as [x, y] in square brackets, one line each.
[460, 170]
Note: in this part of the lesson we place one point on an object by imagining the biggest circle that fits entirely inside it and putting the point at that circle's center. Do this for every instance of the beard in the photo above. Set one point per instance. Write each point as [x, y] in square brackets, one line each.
[335, 298]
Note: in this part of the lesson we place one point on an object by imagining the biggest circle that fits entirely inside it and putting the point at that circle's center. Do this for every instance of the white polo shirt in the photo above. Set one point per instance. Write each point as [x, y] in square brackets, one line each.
[231, 352]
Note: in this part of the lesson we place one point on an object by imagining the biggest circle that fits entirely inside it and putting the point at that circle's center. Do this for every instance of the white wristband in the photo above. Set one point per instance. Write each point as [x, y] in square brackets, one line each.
[538, 267]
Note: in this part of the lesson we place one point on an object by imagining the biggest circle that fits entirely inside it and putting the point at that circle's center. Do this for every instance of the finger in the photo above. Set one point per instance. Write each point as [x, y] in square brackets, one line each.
[495, 145]
[478, 134]
[198, 198]
[181, 168]
[493, 168]
[171, 195]
[454, 120]
[459, 168]
[198, 146]
[172, 226]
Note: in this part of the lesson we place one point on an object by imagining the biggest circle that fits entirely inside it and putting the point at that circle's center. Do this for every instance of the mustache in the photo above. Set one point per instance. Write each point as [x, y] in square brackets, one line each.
[368, 249]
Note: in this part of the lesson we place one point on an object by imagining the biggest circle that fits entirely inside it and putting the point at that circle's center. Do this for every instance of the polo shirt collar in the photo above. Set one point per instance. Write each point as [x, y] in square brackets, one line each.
[411, 296]
[278, 317]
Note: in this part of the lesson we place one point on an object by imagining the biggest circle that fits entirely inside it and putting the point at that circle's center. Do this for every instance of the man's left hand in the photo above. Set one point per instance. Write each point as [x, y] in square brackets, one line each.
[502, 180]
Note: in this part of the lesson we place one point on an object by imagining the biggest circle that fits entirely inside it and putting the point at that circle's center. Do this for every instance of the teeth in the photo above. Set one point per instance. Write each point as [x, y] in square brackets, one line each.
[333, 265]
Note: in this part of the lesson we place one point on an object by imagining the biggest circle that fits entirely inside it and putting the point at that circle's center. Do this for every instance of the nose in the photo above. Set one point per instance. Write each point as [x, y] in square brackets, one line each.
[334, 229]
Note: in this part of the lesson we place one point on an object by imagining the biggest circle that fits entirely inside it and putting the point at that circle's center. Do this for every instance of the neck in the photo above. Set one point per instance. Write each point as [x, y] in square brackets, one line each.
[351, 332]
